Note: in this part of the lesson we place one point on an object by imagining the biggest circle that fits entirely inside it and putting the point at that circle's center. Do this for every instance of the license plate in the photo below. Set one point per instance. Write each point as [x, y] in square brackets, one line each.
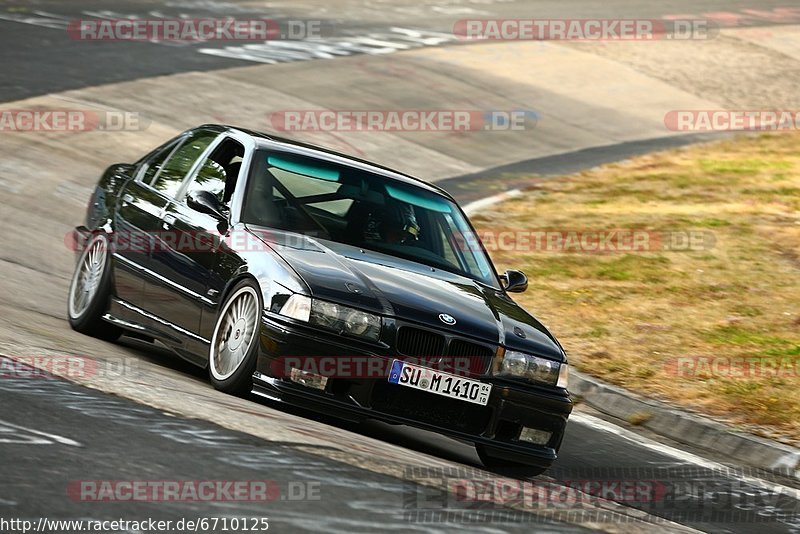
[447, 385]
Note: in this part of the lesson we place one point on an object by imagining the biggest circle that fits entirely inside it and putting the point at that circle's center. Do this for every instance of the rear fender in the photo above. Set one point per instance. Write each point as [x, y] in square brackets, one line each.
[99, 212]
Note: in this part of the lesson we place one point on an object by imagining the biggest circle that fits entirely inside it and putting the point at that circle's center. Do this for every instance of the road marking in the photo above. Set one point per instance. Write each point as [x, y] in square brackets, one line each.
[10, 428]
[477, 205]
[685, 456]
[394, 39]
[271, 52]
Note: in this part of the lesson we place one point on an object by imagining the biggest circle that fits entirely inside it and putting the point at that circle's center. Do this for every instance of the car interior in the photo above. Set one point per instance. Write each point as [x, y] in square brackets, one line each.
[355, 208]
[220, 172]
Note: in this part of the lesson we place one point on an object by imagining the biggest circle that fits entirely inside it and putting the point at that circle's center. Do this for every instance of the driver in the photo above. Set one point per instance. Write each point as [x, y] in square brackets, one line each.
[397, 223]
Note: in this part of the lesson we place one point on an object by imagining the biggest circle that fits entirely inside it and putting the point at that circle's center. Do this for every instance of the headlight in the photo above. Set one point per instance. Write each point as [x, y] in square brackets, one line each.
[325, 314]
[345, 320]
[297, 307]
[520, 365]
[332, 316]
[563, 376]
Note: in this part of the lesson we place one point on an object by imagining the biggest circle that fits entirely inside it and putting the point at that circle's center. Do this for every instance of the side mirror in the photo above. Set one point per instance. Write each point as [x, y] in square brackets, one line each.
[515, 281]
[206, 202]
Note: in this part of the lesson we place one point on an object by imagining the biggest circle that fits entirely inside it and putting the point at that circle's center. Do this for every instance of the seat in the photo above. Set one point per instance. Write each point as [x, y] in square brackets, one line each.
[231, 177]
[357, 219]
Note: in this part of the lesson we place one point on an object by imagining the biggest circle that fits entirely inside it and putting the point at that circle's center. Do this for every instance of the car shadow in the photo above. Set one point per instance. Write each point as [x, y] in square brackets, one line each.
[411, 438]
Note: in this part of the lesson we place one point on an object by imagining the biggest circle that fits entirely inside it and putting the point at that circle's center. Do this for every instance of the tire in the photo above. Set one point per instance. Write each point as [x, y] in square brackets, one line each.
[234, 345]
[90, 291]
[507, 467]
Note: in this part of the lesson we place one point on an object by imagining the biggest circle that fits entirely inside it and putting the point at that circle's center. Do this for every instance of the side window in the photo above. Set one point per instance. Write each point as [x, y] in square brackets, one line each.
[211, 178]
[172, 173]
[150, 167]
[219, 171]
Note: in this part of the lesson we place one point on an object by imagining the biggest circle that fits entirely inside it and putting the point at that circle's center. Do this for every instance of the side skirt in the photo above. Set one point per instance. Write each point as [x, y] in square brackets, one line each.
[141, 323]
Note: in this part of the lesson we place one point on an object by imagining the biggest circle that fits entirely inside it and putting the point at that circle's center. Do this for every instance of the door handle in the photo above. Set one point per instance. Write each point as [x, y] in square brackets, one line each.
[167, 222]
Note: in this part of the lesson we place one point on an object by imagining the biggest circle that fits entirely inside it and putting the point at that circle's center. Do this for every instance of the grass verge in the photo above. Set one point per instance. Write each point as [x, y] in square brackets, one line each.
[694, 298]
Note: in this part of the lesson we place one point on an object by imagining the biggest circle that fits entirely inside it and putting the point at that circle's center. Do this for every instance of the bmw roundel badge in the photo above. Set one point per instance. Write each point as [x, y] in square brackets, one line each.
[447, 319]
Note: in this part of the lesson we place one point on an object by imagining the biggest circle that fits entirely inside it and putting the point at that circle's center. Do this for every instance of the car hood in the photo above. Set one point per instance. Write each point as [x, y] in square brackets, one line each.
[410, 292]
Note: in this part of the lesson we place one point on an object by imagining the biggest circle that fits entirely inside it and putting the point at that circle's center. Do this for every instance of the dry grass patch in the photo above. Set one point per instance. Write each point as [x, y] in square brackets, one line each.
[634, 318]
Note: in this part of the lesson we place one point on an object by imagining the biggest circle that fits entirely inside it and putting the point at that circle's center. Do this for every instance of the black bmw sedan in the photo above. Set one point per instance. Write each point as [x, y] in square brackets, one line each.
[310, 277]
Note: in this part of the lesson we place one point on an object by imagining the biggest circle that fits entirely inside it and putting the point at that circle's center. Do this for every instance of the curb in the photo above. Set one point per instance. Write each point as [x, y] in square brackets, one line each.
[666, 420]
[477, 205]
[685, 427]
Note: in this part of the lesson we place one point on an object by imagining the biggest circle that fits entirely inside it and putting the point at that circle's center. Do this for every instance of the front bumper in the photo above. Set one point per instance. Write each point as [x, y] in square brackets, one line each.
[496, 427]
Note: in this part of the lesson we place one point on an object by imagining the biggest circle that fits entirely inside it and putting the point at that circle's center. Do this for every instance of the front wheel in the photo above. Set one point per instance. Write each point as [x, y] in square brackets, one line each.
[234, 345]
[90, 290]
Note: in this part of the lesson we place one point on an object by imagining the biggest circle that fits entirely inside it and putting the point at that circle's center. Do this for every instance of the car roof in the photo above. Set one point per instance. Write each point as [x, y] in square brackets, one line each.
[264, 140]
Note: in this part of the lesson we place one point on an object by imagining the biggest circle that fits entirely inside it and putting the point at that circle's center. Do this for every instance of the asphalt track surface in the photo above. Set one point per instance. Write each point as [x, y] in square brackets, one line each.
[37, 60]
[53, 432]
[92, 436]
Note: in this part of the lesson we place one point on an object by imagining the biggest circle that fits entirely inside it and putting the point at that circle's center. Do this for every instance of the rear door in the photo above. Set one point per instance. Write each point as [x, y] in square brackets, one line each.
[136, 223]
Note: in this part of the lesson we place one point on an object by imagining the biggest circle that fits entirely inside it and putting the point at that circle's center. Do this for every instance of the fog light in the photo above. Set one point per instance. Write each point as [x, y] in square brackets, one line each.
[311, 380]
[535, 436]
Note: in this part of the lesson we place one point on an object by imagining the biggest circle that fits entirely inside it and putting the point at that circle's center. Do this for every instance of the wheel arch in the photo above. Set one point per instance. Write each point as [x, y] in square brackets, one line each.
[233, 282]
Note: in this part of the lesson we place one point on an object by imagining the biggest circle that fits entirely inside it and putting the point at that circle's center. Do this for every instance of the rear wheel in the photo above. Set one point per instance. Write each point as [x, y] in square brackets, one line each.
[90, 290]
[507, 467]
[234, 345]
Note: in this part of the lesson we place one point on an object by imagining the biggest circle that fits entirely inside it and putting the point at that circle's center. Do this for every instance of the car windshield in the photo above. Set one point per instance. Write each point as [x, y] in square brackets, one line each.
[347, 205]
